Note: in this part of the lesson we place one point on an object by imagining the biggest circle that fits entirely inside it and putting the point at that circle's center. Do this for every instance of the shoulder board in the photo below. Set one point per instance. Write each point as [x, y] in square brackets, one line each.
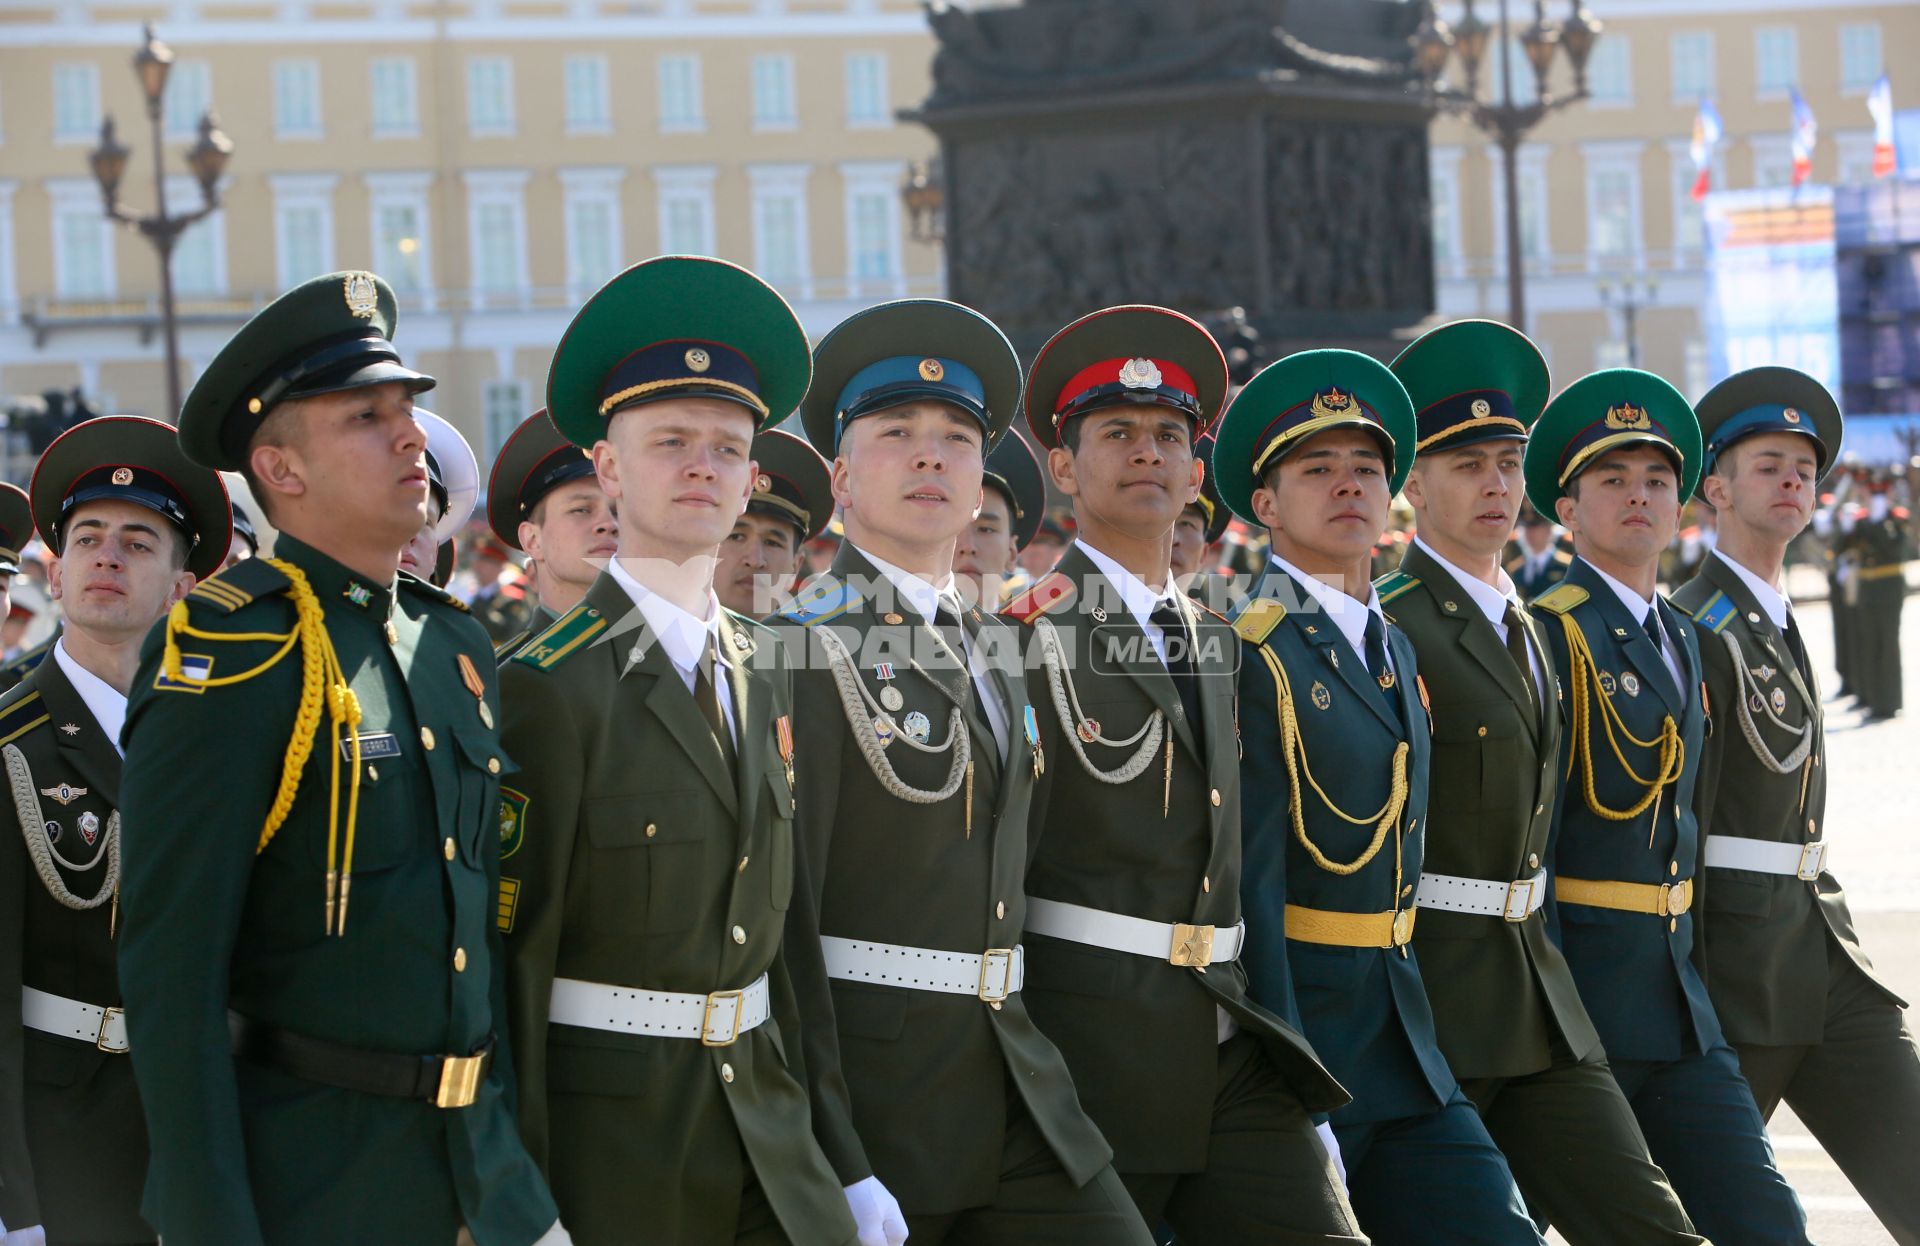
[1049, 593]
[565, 637]
[421, 588]
[1563, 557]
[23, 665]
[829, 597]
[1560, 598]
[238, 586]
[1256, 618]
[1395, 584]
[1717, 613]
[21, 715]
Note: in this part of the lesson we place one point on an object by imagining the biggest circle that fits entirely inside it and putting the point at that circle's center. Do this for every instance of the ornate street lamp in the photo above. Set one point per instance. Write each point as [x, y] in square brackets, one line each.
[1501, 119]
[206, 159]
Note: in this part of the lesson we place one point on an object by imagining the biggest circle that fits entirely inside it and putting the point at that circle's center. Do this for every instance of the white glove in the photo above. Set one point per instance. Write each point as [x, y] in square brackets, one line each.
[1333, 1149]
[876, 1213]
[32, 1235]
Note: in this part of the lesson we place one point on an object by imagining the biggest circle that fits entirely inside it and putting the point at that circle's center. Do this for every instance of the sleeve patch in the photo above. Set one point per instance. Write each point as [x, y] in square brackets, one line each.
[513, 820]
[195, 670]
[1716, 614]
[509, 904]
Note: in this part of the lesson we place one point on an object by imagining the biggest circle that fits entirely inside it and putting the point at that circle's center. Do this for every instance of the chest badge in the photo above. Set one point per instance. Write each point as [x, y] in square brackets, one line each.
[890, 698]
[1763, 672]
[1088, 730]
[64, 793]
[358, 594]
[1779, 700]
[1606, 682]
[89, 827]
[1630, 683]
[917, 726]
[1322, 699]
[69, 729]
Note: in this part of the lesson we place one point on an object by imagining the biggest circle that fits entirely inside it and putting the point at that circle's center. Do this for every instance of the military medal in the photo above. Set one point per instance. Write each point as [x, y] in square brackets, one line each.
[783, 733]
[1088, 730]
[917, 726]
[470, 675]
[90, 827]
[883, 729]
[1032, 723]
[65, 793]
[1321, 697]
[1386, 681]
[890, 698]
[1631, 683]
[1779, 700]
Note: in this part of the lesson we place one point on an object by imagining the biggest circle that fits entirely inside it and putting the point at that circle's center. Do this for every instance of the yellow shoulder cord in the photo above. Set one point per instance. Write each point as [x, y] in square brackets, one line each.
[1672, 748]
[1293, 750]
[322, 681]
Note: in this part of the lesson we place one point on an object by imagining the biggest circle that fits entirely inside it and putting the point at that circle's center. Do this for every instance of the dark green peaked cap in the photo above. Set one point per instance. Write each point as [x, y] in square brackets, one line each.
[130, 458]
[16, 526]
[1014, 470]
[1770, 400]
[791, 482]
[1473, 381]
[1599, 412]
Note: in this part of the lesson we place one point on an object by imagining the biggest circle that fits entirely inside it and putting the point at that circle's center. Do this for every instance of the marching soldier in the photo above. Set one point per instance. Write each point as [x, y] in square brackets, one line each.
[921, 757]
[1542, 559]
[1796, 995]
[1312, 449]
[1134, 912]
[1011, 508]
[453, 486]
[1878, 546]
[310, 811]
[648, 849]
[1505, 1007]
[791, 504]
[131, 522]
[1615, 456]
[543, 498]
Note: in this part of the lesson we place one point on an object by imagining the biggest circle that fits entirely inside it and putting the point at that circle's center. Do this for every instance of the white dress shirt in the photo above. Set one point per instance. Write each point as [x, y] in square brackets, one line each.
[686, 637]
[108, 705]
[1771, 599]
[926, 600]
[1349, 614]
[1639, 607]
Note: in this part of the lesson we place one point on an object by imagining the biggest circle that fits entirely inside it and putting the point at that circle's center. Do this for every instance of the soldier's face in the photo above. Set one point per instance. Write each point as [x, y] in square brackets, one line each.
[759, 559]
[1189, 542]
[1326, 503]
[911, 474]
[417, 556]
[1628, 508]
[116, 574]
[1466, 499]
[680, 472]
[359, 460]
[986, 544]
[573, 533]
[1134, 470]
[1766, 483]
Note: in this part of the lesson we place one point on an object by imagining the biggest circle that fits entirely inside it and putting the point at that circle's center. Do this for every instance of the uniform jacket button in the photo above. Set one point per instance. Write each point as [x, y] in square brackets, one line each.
[426, 738]
[739, 934]
[459, 960]
[726, 1073]
[447, 848]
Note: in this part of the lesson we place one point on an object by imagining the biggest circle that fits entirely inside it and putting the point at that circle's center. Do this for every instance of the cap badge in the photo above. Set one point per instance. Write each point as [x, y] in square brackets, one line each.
[1482, 408]
[762, 483]
[1790, 415]
[932, 369]
[123, 476]
[1140, 374]
[1331, 402]
[363, 297]
[1628, 416]
[699, 360]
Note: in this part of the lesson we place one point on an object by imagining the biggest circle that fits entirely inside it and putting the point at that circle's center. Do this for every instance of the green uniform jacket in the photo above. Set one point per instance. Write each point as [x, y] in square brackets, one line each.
[1531, 584]
[73, 1144]
[891, 871]
[1499, 989]
[243, 1153]
[18, 669]
[539, 620]
[1141, 1035]
[1763, 937]
[633, 860]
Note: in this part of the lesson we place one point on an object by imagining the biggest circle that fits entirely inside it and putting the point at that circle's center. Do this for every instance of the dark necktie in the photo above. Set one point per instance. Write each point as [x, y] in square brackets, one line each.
[1517, 647]
[707, 697]
[1798, 649]
[1179, 645]
[1383, 675]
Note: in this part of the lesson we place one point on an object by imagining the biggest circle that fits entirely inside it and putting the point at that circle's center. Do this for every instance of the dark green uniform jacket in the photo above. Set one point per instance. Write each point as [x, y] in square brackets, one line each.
[634, 860]
[1764, 938]
[929, 1073]
[1365, 1007]
[1499, 989]
[1635, 970]
[244, 1153]
[73, 1144]
[1141, 1035]
[1530, 582]
[18, 669]
[538, 620]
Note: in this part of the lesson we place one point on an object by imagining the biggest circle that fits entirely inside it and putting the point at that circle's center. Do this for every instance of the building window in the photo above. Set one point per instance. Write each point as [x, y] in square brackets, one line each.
[680, 109]
[781, 250]
[1772, 160]
[497, 235]
[873, 227]
[1855, 158]
[1610, 72]
[867, 90]
[396, 107]
[1693, 75]
[489, 96]
[188, 96]
[1776, 61]
[1613, 199]
[588, 110]
[1688, 220]
[1443, 181]
[76, 103]
[296, 99]
[1698, 377]
[302, 226]
[1860, 62]
[402, 244]
[82, 245]
[773, 106]
[1609, 352]
[1530, 186]
[592, 217]
[505, 403]
[200, 253]
[685, 210]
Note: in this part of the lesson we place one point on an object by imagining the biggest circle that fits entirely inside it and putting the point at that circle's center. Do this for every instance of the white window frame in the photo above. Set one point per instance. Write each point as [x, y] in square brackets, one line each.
[80, 196]
[282, 131]
[497, 188]
[1771, 151]
[768, 182]
[774, 115]
[493, 400]
[601, 122]
[181, 190]
[1860, 88]
[478, 67]
[1777, 91]
[180, 121]
[1696, 370]
[863, 121]
[1853, 150]
[1621, 155]
[409, 189]
[882, 178]
[1681, 175]
[9, 278]
[687, 183]
[696, 121]
[1443, 170]
[1692, 94]
[1610, 352]
[1531, 159]
[404, 127]
[1616, 43]
[302, 190]
[594, 185]
[90, 132]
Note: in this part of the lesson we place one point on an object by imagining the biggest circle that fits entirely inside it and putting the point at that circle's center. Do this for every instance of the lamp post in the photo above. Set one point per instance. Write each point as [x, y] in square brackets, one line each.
[1628, 299]
[1501, 119]
[206, 159]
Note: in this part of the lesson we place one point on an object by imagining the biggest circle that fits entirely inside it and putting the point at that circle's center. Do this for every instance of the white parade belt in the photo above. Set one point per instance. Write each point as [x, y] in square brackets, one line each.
[717, 1019]
[105, 1028]
[1178, 943]
[991, 975]
[1767, 856]
[1514, 902]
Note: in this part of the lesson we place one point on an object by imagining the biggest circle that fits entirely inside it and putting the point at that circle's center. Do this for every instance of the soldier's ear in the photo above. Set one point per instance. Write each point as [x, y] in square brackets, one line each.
[842, 479]
[1266, 508]
[277, 468]
[1060, 466]
[606, 467]
[1564, 506]
[1199, 479]
[1415, 492]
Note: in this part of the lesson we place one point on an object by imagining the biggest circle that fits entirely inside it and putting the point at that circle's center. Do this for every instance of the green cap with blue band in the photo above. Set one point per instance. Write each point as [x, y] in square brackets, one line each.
[1771, 399]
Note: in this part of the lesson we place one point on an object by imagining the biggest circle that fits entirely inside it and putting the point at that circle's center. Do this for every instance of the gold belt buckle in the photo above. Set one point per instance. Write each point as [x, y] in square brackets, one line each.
[1813, 857]
[459, 1081]
[100, 1036]
[706, 1018]
[1192, 946]
[1519, 904]
[1676, 898]
[1403, 927]
[987, 992]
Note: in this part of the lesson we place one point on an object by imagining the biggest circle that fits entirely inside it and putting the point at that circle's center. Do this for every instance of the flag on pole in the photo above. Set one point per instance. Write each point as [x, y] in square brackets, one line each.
[1707, 132]
[1806, 132]
[1880, 104]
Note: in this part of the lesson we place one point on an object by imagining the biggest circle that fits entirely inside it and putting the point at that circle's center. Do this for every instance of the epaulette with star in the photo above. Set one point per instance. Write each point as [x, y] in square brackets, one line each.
[1395, 584]
[1560, 599]
[1256, 618]
[827, 598]
[1049, 593]
[1716, 613]
[432, 592]
[239, 586]
[566, 636]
